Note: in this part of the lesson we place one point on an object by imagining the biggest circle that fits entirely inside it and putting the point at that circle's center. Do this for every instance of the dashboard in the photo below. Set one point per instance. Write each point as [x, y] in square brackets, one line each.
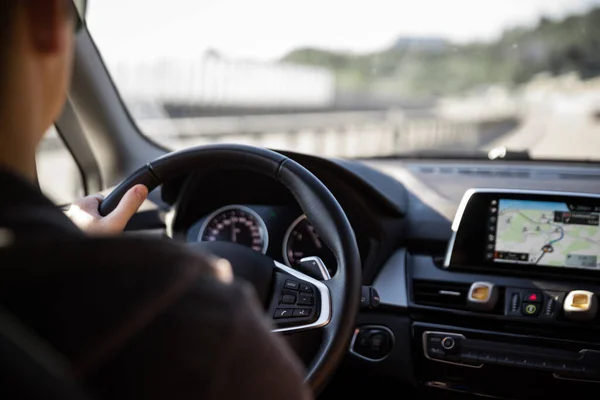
[483, 269]
[278, 231]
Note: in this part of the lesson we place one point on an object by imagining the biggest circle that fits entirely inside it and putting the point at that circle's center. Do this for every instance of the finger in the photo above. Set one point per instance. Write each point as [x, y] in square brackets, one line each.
[88, 204]
[128, 206]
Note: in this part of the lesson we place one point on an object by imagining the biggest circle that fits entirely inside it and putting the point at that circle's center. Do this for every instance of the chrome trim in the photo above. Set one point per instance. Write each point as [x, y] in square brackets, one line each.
[444, 386]
[562, 378]
[325, 305]
[469, 193]
[261, 223]
[444, 361]
[449, 250]
[322, 268]
[448, 293]
[287, 235]
[355, 335]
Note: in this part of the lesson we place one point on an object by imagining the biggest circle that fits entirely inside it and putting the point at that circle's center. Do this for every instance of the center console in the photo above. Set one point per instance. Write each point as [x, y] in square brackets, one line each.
[512, 310]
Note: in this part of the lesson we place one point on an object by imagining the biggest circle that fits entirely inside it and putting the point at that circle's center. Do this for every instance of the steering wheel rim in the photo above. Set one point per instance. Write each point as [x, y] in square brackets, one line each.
[315, 200]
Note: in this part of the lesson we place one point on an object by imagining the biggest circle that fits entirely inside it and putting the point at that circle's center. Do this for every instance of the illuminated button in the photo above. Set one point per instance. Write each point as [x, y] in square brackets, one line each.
[448, 343]
[530, 309]
[481, 293]
[533, 297]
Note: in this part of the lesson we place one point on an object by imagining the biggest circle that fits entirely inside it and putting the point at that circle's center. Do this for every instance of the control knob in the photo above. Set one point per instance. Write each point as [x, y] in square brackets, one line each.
[448, 343]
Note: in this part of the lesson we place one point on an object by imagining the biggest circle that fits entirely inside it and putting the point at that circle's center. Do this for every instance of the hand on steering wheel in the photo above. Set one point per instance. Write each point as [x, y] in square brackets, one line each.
[86, 215]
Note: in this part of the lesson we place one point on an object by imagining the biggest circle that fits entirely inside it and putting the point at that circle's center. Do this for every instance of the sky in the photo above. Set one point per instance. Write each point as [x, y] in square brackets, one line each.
[268, 29]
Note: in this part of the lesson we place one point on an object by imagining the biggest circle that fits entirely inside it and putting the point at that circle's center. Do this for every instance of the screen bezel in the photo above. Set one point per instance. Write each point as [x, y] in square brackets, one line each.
[468, 244]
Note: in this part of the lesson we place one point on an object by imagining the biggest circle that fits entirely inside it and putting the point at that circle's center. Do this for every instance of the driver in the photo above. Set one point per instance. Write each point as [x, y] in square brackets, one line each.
[200, 335]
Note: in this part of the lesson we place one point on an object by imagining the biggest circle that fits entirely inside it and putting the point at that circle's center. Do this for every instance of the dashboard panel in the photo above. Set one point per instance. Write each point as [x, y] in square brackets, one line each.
[277, 231]
[402, 212]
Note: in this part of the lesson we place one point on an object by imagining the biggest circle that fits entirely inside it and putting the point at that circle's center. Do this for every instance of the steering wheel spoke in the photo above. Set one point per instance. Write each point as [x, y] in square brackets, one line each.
[299, 302]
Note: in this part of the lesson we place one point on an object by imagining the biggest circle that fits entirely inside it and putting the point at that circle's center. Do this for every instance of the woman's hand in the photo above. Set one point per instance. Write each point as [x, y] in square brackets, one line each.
[84, 212]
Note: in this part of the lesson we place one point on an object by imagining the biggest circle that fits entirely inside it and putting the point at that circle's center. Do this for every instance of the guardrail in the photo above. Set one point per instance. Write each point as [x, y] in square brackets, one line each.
[340, 134]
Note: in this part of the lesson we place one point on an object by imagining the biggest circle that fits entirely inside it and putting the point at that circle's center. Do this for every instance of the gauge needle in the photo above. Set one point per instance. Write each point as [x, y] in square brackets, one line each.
[314, 237]
[233, 233]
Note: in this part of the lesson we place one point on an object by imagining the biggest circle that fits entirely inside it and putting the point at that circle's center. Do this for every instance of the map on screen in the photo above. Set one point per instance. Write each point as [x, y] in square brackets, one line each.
[546, 233]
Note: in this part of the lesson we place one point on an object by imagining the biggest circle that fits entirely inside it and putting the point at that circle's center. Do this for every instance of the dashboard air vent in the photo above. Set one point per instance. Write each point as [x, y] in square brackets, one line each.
[440, 294]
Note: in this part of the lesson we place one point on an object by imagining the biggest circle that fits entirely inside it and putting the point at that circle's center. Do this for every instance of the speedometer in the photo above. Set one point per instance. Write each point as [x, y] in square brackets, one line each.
[236, 224]
[302, 240]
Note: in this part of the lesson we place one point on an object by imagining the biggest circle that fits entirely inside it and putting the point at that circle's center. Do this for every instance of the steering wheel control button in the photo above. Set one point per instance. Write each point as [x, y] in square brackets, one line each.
[372, 343]
[283, 313]
[306, 299]
[302, 312]
[305, 288]
[369, 298]
[448, 343]
[482, 296]
[288, 299]
[580, 305]
[292, 285]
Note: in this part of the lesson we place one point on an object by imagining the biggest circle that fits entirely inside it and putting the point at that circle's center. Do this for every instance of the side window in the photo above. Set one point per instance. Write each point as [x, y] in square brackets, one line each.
[59, 177]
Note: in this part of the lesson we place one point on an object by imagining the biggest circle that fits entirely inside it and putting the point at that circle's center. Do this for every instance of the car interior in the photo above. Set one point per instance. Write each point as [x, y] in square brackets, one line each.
[417, 275]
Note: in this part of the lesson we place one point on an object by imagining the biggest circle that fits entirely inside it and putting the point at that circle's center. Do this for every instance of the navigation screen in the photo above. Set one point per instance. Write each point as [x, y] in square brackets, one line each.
[544, 233]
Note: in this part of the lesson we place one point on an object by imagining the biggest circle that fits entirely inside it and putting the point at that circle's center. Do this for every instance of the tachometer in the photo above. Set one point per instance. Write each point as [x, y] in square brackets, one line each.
[237, 224]
[301, 240]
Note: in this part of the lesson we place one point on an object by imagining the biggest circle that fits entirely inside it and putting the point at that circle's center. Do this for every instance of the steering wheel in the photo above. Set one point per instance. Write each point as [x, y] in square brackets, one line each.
[330, 305]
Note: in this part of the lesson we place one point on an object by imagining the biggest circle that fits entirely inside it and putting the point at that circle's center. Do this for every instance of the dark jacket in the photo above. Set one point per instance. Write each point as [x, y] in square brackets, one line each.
[130, 318]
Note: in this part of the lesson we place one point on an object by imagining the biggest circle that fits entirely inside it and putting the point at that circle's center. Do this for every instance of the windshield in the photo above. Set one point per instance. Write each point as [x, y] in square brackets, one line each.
[360, 79]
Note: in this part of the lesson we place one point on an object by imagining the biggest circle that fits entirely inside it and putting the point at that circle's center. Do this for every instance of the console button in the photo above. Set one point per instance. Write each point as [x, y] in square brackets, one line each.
[525, 361]
[515, 302]
[533, 297]
[487, 357]
[544, 364]
[435, 340]
[582, 370]
[373, 343]
[531, 309]
[436, 352]
[469, 357]
[563, 366]
[448, 343]
[553, 304]
[505, 359]
[514, 298]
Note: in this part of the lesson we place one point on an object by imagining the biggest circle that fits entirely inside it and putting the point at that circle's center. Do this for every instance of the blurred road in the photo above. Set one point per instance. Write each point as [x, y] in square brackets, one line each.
[555, 127]
[560, 128]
